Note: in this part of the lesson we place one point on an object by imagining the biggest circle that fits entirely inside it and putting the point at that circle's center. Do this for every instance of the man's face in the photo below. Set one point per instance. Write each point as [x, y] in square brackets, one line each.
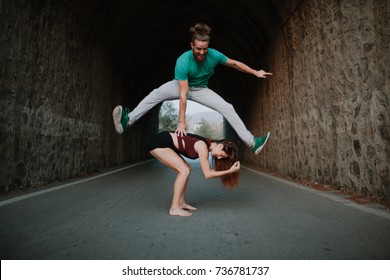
[199, 49]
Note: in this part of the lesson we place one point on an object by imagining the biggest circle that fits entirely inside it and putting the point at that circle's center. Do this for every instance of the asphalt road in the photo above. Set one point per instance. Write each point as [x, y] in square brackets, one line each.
[124, 215]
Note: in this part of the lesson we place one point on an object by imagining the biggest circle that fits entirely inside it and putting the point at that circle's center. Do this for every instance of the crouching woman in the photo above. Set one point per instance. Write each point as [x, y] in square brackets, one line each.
[169, 147]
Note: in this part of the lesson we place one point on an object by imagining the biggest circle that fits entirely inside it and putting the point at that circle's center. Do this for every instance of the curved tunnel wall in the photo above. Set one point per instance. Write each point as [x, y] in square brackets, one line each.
[328, 103]
[65, 64]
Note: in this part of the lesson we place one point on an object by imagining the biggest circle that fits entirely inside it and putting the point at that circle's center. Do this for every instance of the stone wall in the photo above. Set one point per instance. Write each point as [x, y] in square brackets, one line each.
[58, 88]
[327, 104]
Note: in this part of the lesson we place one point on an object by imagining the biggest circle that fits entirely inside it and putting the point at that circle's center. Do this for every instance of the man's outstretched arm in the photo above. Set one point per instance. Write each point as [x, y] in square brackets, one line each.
[246, 69]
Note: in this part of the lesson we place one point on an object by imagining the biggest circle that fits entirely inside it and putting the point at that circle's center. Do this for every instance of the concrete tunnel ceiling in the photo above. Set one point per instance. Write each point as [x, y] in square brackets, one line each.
[146, 37]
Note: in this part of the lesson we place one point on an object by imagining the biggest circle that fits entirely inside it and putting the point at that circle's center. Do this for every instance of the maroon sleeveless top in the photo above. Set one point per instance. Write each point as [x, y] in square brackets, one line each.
[189, 142]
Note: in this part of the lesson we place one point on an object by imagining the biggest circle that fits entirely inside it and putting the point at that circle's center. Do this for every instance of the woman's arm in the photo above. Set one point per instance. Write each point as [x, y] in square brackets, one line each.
[208, 172]
[246, 69]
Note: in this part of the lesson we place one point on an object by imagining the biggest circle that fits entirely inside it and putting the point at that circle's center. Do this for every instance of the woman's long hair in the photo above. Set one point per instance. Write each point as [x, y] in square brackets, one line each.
[230, 148]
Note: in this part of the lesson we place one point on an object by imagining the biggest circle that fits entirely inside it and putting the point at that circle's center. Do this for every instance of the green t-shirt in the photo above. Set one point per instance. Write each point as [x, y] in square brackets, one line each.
[198, 73]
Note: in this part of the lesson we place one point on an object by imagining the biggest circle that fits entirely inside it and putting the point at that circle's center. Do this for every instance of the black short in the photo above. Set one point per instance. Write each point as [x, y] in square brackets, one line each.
[161, 140]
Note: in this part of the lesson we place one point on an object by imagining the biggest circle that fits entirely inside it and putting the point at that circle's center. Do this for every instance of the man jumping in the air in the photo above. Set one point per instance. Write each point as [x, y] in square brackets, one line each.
[192, 72]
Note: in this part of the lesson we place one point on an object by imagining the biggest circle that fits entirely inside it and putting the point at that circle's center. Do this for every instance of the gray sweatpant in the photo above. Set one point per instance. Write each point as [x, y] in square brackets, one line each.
[204, 96]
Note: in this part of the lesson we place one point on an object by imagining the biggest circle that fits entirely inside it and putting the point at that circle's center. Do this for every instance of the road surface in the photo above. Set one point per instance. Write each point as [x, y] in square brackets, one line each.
[124, 215]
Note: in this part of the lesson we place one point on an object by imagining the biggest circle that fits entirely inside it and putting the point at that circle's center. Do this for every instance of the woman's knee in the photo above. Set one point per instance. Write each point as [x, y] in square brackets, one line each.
[185, 169]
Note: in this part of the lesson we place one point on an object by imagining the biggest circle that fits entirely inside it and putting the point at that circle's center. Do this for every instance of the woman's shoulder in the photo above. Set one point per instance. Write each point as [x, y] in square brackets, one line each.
[201, 147]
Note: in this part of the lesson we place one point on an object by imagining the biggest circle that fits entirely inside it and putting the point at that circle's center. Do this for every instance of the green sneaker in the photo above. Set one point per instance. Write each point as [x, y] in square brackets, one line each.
[121, 118]
[259, 143]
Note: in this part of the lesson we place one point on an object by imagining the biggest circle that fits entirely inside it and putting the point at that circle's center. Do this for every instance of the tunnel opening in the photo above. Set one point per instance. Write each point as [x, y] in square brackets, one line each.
[200, 119]
[65, 64]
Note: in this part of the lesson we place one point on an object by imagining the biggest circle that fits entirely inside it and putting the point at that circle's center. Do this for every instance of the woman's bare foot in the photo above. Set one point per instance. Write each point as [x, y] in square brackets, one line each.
[186, 206]
[179, 212]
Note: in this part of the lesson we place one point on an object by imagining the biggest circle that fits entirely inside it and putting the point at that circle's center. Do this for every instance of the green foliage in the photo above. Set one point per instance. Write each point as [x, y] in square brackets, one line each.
[168, 117]
[211, 131]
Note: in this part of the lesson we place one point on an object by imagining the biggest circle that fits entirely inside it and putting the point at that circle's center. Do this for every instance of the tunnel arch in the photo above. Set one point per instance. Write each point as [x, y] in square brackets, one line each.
[148, 36]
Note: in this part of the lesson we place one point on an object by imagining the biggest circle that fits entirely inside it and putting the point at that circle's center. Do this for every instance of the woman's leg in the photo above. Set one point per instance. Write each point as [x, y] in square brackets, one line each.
[171, 159]
[183, 204]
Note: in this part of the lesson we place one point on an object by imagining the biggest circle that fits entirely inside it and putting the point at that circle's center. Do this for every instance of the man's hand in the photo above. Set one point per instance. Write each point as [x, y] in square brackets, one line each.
[181, 128]
[262, 74]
